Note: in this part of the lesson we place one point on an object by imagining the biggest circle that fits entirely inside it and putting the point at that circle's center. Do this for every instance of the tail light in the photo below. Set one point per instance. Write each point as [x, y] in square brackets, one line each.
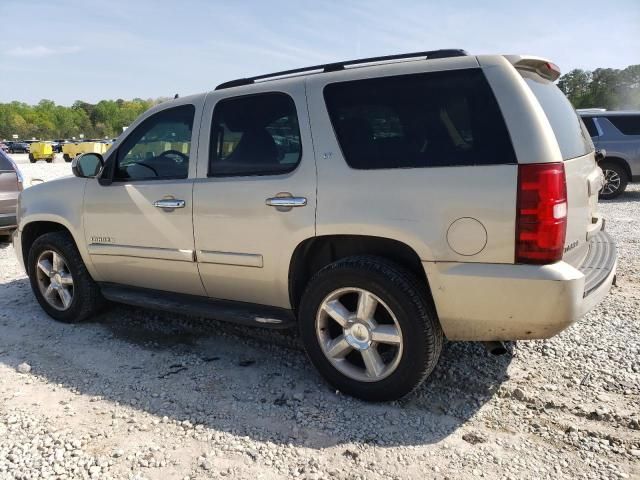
[541, 219]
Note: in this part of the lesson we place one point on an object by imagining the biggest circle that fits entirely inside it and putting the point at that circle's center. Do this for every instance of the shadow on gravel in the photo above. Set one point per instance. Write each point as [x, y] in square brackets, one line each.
[626, 197]
[245, 381]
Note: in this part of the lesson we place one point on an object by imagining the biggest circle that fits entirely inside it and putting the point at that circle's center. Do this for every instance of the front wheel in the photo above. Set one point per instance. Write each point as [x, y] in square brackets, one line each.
[370, 328]
[59, 279]
[32, 159]
[615, 180]
[66, 157]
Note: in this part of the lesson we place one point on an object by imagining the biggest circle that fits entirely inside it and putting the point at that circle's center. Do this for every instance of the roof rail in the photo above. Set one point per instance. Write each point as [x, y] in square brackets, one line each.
[334, 67]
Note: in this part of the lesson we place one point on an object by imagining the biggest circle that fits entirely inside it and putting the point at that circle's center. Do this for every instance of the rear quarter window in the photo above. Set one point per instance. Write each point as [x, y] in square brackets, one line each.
[573, 139]
[434, 119]
[627, 124]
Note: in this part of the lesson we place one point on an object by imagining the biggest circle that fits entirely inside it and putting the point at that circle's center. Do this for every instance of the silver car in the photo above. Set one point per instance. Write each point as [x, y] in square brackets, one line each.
[618, 133]
[10, 188]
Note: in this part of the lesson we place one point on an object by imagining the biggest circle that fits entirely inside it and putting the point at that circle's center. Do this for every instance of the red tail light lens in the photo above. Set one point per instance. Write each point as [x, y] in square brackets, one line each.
[541, 219]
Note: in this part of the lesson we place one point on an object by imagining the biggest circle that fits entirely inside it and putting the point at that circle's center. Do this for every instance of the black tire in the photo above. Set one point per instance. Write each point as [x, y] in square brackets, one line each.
[87, 299]
[407, 298]
[615, 169]
[49, 160]
[66, 157]
[32, 159]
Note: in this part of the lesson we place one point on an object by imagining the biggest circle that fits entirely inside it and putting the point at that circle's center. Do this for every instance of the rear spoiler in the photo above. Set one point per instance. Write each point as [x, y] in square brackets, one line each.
[539, 65]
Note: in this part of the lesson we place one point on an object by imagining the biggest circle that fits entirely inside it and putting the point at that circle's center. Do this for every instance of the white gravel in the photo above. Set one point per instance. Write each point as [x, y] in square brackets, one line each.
[141, 394]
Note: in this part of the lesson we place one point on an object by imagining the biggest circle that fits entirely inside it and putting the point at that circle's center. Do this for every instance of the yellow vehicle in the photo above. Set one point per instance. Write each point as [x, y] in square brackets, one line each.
[41, 151]
[72, 150]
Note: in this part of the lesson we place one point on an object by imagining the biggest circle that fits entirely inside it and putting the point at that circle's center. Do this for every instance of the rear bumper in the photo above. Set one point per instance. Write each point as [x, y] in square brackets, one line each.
[512, 302]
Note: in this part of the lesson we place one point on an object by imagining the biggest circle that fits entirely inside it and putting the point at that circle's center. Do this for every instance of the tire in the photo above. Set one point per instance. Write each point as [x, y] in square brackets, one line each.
[86, 298]
[66, 157]
[616, 180]
[32, 159]
[402, 299]
[49, 160]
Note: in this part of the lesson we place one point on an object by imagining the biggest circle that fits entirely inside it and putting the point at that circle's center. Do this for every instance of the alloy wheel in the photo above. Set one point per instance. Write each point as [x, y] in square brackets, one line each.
[611, 182]
[359, 334]
[55, 280]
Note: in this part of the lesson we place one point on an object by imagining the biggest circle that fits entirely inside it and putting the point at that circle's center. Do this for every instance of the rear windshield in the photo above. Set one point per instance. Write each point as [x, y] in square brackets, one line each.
[573, 139]
[422, 120]
[591, 126]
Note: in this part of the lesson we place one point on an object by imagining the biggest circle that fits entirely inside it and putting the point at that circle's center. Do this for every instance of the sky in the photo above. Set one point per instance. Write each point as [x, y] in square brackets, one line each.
[68, 50]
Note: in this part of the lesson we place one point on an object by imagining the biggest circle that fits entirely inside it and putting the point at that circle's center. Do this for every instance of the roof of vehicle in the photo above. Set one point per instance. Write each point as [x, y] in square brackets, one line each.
[610, 113]
[337, 66]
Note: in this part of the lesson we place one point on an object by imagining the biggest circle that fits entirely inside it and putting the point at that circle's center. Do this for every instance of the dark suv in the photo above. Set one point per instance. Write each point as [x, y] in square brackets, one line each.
[18, 147]
[619, 134]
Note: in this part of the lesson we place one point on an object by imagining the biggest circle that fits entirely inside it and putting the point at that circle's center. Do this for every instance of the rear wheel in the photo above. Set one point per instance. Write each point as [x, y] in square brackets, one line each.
[615, 180]
[59, 279]
[66, 157]
[49, 160]
[369, 328]
[32, 159]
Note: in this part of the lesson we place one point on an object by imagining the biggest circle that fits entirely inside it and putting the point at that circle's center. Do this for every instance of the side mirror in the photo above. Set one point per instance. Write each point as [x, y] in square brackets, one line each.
[87, 165]
[600, 155]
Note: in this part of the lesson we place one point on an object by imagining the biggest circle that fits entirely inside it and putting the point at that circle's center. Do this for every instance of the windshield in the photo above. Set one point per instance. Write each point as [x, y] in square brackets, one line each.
[571, 134]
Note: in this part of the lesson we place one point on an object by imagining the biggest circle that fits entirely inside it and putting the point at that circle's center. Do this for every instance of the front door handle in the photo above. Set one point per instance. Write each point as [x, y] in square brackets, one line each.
[286, 202]
[169, 203]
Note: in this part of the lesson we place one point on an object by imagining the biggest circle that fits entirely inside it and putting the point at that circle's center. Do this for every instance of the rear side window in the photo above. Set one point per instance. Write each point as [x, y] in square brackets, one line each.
[591, 126]
[5, 163]
[422, 120]
[627, 124]
[254, 135]
[573, 139]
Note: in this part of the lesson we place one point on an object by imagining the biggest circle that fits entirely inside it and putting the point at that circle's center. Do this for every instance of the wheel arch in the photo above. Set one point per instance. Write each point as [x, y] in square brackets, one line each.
[619, 161]
[312, 254]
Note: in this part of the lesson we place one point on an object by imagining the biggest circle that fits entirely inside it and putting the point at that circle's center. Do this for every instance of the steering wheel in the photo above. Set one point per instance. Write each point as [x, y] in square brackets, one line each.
[168, 153]
[143, 164]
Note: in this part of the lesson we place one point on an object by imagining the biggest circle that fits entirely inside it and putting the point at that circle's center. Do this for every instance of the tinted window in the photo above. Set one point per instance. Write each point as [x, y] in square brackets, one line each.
[627, 124]
[572, 137]
[159, 147]
[591, 126]
[5, 163]
[254, 135]
[422, 120]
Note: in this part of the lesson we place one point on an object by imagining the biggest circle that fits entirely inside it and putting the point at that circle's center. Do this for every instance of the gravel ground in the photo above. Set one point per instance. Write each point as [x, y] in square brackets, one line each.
[141, 394]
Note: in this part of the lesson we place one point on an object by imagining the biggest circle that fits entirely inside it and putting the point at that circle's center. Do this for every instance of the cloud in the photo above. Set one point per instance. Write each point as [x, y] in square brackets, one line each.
[41, 51]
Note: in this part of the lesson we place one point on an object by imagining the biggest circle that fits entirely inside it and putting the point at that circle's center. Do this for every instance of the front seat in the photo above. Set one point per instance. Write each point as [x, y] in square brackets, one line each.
[256, 147]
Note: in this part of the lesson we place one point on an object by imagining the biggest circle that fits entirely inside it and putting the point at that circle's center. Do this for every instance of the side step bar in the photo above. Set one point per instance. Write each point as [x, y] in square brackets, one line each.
[223, 310]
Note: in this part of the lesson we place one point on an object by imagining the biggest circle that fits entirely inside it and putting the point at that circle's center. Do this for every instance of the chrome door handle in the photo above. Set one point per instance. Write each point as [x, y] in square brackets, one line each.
[286, 202]
[169, 203]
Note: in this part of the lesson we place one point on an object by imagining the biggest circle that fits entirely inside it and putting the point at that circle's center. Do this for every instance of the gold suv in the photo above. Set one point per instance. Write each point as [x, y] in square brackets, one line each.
[379, 205]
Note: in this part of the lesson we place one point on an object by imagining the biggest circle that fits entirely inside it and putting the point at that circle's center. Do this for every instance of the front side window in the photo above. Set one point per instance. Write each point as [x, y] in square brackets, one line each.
[159, 148]
[254, 135]
[421, 120]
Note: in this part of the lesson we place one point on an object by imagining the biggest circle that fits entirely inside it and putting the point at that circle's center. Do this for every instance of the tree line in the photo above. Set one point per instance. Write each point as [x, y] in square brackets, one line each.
[608, 88]
[46, 120]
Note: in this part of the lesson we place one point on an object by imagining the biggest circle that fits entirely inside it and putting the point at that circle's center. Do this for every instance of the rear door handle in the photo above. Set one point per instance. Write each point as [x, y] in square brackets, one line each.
[286, 202]
[169, 203]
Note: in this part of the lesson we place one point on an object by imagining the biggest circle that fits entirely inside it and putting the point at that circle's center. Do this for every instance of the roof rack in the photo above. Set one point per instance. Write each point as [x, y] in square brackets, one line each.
[334, 67]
